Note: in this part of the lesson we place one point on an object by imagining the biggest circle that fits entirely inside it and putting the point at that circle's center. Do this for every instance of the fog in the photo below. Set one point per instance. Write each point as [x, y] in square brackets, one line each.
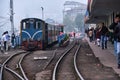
[32, 8]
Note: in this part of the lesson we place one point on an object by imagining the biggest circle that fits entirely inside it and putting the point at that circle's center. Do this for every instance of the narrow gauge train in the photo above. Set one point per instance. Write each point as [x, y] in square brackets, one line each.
[36, 34]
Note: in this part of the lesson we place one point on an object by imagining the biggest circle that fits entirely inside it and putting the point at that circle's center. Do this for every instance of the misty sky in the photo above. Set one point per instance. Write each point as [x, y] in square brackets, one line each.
[32, 8]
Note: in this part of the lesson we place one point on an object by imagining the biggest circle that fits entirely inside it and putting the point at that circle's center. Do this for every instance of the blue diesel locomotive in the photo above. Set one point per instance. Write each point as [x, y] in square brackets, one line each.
[36, 34]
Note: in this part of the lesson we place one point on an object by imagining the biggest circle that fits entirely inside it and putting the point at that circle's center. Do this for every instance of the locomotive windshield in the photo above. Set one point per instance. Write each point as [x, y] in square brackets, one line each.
[38, 25]
[25, 25]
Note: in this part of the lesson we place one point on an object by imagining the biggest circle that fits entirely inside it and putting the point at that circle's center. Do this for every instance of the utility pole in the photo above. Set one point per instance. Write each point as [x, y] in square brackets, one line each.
[42, 13]
[11, 16]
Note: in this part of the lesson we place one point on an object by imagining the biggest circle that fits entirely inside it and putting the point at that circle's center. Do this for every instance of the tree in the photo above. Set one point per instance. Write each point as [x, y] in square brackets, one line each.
[79, 21]
[69, 24]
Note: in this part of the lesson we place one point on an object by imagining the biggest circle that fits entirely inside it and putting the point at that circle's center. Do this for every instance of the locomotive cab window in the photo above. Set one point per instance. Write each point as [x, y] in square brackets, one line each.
[38, 25]
[27, 25]
[24, 25]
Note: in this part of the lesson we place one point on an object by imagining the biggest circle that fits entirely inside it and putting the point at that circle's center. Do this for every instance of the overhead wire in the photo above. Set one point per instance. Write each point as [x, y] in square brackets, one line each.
[4, 23]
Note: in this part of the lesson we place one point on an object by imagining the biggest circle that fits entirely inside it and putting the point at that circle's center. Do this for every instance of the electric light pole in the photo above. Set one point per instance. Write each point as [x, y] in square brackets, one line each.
[42, 13]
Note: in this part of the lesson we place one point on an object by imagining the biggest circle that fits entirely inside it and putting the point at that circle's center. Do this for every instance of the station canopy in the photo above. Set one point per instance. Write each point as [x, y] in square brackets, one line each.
[100, 9]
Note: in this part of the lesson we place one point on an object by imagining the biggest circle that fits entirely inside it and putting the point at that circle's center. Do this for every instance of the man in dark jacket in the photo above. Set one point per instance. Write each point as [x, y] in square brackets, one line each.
[112, 27]
[117, 32]
[103, 31]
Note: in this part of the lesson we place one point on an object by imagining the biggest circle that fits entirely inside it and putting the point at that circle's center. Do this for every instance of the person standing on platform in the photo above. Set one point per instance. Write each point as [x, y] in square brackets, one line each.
[117, 32]
[90, 33]
[98, 36]
[74, 34]
[13, 40]
[112, 27]
[8, 40]
[17, 40]
[103, 31]
[5, 40]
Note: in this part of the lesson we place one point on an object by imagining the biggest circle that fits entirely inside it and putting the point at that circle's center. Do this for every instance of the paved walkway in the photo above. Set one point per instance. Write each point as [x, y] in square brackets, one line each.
[106, 56]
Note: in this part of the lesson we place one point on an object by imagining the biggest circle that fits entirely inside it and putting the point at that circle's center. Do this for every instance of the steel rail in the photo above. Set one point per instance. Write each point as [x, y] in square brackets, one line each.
[16, 74]
[75, 64]
[2, 66]
[21, 68]
[58, 62]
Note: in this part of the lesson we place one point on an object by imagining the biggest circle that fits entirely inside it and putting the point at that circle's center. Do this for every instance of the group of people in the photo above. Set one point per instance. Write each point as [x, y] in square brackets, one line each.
[100, 36]
[7, 41]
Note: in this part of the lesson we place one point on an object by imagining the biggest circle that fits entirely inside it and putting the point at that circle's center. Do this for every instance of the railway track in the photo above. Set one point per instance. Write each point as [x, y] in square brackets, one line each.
[66, 68]
[12, 69]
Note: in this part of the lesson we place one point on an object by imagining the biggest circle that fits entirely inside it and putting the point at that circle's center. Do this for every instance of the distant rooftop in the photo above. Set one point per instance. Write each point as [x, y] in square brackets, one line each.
[73, 3]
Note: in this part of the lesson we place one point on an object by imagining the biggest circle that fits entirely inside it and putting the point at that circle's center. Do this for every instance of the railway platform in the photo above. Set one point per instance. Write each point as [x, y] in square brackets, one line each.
[106, 56]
